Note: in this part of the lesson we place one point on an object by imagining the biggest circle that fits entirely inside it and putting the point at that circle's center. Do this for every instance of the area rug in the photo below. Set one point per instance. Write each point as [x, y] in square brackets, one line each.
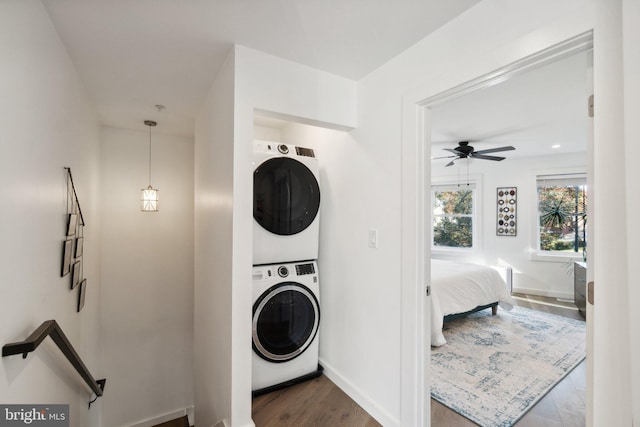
[493, 369]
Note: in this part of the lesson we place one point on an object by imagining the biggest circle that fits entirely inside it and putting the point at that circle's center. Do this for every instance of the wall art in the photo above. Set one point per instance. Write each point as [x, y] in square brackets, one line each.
[79, 245]
[82, 294]
[77, 274]
[507, 211]
[73, 249]
[67, 253]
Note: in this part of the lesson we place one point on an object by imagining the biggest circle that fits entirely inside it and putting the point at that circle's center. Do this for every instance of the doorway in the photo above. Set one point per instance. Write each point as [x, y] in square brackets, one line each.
[419, 299]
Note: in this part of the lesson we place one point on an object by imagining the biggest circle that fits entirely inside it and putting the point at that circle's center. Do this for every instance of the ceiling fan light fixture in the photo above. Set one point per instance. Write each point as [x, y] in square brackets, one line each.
[466, 151]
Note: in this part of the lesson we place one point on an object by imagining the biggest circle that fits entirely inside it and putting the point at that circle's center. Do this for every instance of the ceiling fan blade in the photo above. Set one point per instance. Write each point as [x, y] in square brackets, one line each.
[445, 157]
[483, 157]
[449, 164]
[451, 150]
[494, 150]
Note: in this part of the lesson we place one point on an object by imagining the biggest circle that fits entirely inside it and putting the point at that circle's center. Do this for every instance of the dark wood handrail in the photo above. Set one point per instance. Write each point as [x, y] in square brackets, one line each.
[51, 328]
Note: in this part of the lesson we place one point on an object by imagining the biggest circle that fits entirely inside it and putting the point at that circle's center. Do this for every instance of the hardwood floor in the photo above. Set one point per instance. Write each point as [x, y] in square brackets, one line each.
[317, 402]
[320, 403]
[178, 422]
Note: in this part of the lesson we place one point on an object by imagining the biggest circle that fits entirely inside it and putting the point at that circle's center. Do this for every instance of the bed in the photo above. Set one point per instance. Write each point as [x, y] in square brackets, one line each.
[460, 288]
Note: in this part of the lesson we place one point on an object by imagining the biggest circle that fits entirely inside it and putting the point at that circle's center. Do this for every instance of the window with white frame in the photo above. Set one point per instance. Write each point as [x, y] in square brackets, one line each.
[454, 216]
[562, 214]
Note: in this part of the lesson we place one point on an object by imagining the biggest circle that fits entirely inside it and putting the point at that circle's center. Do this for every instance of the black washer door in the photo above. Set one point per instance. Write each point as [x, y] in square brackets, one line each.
[286, 196]
[285, 321]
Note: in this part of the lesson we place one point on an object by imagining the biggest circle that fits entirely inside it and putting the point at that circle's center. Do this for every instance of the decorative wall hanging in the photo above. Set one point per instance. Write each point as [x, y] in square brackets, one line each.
[73, 247]
[507, 211]
[81, 294]
[66, 258]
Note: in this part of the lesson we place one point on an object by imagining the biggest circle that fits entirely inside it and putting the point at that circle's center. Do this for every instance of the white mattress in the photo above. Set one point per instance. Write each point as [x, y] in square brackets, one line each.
[458, 287]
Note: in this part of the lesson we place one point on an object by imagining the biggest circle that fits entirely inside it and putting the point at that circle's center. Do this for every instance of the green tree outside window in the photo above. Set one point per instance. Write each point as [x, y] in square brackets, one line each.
[562, 213]
[453, 218]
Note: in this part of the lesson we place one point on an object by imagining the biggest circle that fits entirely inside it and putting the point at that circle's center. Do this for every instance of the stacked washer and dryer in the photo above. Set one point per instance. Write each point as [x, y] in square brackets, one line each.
[286, 289]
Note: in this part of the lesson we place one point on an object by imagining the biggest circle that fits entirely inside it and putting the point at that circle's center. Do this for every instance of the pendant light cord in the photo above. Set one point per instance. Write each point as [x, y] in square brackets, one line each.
[149, 155]
[150, 123]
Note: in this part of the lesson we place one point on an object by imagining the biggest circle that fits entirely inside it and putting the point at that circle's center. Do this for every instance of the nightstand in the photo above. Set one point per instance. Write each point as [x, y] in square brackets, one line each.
[580, 286]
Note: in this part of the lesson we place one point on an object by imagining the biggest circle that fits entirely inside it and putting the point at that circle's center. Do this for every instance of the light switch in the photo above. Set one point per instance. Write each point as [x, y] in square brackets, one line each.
[373, 238]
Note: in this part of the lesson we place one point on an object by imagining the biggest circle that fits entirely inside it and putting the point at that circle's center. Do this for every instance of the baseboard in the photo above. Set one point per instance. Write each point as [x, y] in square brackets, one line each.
[150, 422]
[544, 293]
[362, 399]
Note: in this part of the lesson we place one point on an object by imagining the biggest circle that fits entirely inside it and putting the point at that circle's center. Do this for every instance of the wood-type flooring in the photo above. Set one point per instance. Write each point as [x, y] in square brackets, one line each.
[320, 403]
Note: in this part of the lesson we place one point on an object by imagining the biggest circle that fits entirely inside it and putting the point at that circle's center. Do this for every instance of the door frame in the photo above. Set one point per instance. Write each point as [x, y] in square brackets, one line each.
[416, 251]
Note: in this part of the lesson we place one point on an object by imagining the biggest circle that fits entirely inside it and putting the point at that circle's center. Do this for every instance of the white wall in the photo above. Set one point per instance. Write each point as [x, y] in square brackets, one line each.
[529, 275]
[147, 275]
[47, 123]
[486, 37]
[631, 33]
[214, 243]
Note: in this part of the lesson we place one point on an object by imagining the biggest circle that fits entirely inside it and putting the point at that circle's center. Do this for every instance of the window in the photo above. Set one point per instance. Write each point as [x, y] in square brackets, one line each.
[562, 214]
[453, 216]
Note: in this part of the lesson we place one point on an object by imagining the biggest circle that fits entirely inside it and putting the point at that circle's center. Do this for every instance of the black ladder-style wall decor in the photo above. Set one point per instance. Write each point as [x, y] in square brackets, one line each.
[51, 328]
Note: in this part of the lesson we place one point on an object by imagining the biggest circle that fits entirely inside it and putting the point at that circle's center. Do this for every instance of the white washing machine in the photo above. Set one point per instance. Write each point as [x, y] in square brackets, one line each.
[286, 323]
[286, 203]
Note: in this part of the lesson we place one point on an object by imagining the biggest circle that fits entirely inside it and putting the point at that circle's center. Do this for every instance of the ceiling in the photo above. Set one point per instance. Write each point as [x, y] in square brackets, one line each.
[533, 112]
[134, 54]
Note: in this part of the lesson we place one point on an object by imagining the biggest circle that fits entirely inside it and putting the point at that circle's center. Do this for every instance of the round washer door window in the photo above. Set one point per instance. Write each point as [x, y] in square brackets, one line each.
[286, 196]
[285, 321]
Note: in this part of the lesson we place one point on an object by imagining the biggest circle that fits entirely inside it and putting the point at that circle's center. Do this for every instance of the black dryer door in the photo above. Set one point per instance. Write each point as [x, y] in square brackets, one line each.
[286, 196]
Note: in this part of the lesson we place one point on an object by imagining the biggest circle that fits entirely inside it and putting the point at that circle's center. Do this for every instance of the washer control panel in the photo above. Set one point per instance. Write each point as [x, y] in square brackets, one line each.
[302, 269]
[283, 271]
[262, 272]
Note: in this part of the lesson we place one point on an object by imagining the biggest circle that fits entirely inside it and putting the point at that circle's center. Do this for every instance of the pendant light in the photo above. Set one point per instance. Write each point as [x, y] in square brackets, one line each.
[149, 195]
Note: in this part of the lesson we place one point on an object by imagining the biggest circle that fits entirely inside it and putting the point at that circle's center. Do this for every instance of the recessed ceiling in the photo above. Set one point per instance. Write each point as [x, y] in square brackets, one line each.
[134, 54]
[532, 111]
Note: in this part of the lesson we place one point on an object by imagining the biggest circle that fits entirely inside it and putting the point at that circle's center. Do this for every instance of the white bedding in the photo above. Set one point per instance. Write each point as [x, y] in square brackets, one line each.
[458, 287]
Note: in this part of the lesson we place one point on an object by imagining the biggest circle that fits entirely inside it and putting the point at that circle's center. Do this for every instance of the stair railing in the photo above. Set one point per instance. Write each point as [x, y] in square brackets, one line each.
[52, 329]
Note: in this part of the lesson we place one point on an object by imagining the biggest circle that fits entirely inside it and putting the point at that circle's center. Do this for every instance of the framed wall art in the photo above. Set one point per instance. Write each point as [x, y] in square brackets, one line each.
[79, 244]
[506, 211]
[77, 274]
[66, 256]
[72, 224]
[82, 294]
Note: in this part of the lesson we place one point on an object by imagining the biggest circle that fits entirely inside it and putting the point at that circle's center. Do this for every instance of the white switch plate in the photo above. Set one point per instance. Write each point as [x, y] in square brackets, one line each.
[373, 238]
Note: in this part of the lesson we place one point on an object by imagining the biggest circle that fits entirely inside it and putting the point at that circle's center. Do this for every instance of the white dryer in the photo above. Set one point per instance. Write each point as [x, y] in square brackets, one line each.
[286, 203]
[286, 324]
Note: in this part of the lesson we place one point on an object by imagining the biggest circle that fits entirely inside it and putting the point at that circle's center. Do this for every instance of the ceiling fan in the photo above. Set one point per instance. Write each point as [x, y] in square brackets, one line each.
[464, 151]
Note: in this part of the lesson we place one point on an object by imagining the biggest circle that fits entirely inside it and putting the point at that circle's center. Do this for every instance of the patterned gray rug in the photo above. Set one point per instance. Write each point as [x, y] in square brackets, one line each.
[493, 369]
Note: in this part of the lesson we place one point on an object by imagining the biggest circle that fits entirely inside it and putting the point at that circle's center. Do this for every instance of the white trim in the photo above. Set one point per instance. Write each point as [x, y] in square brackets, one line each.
[149, 422]
[361, 398]
[580, 43]
[543, 293]
[549, 256]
